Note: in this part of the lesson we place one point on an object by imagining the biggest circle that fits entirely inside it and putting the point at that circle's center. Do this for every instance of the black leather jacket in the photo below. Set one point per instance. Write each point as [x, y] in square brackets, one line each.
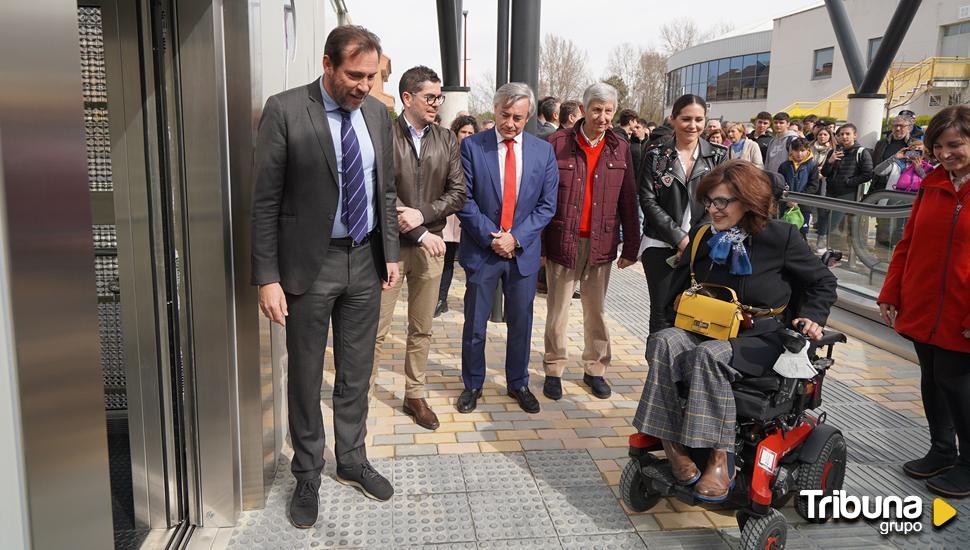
[665, 192]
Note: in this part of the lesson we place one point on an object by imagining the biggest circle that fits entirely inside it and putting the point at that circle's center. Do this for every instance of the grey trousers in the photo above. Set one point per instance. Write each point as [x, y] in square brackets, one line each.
[706, 418]
[348, 291]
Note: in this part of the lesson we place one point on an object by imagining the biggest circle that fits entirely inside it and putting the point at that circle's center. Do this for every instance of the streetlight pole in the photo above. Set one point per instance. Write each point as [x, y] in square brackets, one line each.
[464, 15]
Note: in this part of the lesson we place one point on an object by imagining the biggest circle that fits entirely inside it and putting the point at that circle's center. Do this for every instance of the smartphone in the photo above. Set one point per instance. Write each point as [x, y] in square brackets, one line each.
[839, 148]
[914, 154]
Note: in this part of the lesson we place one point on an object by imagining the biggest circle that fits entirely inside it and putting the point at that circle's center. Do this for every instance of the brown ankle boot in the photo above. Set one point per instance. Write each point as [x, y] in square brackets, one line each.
[681, 464]
[422, 413]
[716, 482]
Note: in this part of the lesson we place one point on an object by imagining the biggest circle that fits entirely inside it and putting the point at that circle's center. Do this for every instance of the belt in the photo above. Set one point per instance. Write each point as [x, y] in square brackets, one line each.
[763, 312]
[348, 242]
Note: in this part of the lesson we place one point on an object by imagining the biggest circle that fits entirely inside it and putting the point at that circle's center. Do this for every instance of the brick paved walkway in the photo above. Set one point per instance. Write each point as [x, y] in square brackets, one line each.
[869, 391]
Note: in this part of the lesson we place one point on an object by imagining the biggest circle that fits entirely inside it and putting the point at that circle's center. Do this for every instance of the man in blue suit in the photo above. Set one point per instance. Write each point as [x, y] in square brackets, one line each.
[512, 180]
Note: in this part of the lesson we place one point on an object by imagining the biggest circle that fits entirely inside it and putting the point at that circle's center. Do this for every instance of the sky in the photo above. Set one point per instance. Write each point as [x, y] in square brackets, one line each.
[409, 33]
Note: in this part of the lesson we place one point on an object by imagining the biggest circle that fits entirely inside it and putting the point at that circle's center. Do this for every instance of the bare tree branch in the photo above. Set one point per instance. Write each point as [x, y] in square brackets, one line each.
[481, 95]
[562, 68]
[679, 34]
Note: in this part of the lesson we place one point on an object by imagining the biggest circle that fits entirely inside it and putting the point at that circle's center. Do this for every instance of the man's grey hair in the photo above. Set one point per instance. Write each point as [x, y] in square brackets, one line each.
[600, 91]
[903, 118]
[512, 92]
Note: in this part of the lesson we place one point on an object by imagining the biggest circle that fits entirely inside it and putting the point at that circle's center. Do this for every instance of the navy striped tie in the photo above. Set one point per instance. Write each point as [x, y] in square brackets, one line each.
[354, 214]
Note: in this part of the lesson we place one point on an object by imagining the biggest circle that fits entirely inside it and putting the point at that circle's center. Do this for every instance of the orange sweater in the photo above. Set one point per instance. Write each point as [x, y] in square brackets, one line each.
[592, 156]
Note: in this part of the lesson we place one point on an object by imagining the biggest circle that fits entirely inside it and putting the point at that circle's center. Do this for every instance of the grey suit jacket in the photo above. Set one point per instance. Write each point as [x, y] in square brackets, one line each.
[296, 191]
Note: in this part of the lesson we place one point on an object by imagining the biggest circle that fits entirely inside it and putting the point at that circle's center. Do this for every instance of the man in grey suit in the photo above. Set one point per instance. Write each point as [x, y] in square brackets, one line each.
[325, 236]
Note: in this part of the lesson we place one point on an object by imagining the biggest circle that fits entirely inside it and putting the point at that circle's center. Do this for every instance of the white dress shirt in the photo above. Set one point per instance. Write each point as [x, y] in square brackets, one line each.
[502, 150]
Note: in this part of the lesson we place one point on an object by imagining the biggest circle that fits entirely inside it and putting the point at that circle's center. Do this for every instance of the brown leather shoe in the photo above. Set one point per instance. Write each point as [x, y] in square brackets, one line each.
[423, 415]
[681, 464]
[717, 481]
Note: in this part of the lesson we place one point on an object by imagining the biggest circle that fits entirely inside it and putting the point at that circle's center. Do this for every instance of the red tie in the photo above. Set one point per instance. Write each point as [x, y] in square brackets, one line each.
[508, 192]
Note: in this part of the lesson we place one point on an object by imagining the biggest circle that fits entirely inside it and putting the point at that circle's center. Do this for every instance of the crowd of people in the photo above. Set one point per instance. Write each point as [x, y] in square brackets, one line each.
[350, 204]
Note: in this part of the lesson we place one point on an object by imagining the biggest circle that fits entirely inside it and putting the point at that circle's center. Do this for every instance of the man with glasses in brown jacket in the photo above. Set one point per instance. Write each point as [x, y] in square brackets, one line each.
[430, 187]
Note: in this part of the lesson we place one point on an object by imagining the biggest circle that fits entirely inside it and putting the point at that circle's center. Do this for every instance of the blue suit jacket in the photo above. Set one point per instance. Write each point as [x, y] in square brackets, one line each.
[481, 215]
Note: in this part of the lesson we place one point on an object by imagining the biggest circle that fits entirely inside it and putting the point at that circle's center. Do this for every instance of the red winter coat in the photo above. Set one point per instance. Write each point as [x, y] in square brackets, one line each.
[929, 276]
[614, 202]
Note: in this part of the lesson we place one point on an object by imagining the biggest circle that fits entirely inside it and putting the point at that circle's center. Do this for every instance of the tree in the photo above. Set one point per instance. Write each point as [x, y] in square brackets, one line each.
[622, 92]
[683, 32]
[481, 95]
[643, 74]
[562, 68]
[679, 34]
[652, 84]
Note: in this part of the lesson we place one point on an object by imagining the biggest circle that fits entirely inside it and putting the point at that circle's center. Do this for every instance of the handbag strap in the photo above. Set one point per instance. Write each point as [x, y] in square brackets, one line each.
[693, 250]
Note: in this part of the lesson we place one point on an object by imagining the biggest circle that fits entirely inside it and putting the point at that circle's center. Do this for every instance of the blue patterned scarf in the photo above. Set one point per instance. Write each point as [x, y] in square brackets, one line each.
[730, 243]
[738, 146]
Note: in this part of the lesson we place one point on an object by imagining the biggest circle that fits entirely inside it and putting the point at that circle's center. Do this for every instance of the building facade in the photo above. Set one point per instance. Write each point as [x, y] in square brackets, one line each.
[796, 64]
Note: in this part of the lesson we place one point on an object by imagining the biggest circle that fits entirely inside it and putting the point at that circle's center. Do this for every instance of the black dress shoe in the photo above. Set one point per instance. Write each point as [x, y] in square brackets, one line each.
[526, 400]
[468, 400]
[552, 388]
[953, 483]
[364, 477]
[442, 307]
[599, 386]
[304, 503]
[933, 464]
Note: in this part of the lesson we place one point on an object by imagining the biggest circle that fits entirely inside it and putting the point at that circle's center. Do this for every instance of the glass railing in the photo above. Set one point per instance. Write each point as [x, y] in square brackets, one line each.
[862, 236]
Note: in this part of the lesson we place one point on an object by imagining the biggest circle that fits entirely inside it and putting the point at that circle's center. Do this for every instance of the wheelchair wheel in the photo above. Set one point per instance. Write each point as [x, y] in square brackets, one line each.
[826, 474]
[636, 491]
[768, 532]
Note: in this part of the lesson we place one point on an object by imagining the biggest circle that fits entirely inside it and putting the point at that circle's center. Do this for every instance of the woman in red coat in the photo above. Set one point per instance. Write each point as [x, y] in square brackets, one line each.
[926, 298]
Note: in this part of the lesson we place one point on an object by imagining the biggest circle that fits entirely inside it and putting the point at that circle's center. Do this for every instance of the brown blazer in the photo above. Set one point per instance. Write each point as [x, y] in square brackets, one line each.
[296, 190]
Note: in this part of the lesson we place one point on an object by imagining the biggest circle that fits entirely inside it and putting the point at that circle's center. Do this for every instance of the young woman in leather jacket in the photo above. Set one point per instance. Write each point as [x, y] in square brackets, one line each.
[668, 176]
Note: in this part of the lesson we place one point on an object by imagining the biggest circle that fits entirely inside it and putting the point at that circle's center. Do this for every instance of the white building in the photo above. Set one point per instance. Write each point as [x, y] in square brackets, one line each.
[795, 63]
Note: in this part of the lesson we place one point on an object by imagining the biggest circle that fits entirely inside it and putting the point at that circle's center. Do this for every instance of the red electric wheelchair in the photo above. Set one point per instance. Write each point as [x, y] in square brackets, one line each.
[781, 449]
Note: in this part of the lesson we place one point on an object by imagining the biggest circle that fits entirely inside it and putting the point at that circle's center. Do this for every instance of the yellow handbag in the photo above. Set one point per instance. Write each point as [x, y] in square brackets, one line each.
[703, 314]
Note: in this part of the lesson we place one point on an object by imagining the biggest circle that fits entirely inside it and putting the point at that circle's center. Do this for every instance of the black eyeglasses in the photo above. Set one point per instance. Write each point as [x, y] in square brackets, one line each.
[434, 99]
[720, 203]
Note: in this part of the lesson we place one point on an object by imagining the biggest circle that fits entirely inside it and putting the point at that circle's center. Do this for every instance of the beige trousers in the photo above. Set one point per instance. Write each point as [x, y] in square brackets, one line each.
[422, 272]
[593, 282]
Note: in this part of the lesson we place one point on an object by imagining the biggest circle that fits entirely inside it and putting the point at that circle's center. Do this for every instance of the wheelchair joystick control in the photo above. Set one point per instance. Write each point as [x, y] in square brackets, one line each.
[792, 340]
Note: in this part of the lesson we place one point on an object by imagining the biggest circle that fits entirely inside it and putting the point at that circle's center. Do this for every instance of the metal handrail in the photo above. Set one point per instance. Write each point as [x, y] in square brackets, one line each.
[864, 208]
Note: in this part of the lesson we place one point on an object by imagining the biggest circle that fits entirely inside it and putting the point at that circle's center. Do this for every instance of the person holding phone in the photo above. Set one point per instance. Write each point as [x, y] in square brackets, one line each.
[847, 167]
[669, 174]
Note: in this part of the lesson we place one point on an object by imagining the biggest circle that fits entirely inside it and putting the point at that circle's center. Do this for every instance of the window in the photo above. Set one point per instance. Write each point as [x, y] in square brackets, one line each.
[956, 98]
[725, 79]
[761, 82]
[936, 100]
[956, 28]
[823, 63]
[873, 48]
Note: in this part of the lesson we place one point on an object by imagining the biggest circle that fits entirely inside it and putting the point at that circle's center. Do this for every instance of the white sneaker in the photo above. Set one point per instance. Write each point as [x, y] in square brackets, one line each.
[821, 245]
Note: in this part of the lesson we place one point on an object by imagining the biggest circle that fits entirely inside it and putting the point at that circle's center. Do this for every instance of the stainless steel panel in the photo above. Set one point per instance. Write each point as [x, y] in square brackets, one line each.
[50, 276]
[14, 531]
[140, 262]
[255, 387]
[211, 373]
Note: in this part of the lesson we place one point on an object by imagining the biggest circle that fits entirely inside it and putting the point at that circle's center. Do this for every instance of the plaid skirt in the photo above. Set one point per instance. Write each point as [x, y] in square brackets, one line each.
[706, 418]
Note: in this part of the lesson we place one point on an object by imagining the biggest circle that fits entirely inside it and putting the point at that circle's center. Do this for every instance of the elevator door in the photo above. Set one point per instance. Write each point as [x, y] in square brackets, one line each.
[135, 263]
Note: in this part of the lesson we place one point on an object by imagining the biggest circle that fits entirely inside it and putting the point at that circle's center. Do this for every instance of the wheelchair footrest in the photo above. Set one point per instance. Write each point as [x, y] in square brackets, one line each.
[662, 479]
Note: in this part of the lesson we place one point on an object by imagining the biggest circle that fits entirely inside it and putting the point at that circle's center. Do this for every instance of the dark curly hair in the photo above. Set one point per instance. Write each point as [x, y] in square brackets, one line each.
[750, 185]
[463, 121]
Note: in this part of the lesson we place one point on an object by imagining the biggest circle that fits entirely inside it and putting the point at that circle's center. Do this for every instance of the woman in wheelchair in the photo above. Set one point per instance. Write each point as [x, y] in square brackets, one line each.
[687, 400]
